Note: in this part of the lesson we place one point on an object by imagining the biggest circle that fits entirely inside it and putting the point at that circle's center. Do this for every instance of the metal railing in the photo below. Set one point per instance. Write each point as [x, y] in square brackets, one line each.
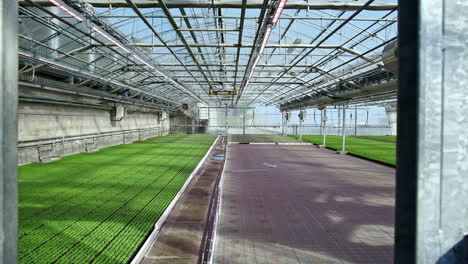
[296, 129]
[28, 143]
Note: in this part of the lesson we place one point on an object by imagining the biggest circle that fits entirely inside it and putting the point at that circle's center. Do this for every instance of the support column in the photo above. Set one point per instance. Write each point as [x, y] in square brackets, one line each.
[391, 112]
[431, 186]
[355, 121]
[243, 121]
[8, 131]
[194, 126]
[324, 142]
[343, 131]
[321, 121]
[300, 123]
[208, 121]
[282, 123]
[226, 120]
[339, 121]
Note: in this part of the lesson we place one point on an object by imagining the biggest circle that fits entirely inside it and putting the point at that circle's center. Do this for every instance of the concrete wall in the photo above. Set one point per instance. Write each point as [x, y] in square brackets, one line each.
[40, 122]
[183, 124]
[391, 111]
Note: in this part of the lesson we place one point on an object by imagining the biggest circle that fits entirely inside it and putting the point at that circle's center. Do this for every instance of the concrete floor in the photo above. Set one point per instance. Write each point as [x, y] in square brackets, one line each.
[314, 207]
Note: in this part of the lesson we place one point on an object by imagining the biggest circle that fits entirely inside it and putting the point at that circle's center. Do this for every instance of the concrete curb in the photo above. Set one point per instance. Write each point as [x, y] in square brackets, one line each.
[162, 219]
[218, 210]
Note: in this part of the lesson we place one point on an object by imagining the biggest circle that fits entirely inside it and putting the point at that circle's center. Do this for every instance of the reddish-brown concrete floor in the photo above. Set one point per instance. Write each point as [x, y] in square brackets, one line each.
[314, 207]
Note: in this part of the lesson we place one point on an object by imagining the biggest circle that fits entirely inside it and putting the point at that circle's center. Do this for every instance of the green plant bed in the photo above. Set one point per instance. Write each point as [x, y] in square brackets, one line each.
[383, 138]
[384, 152]
[99, 207]
[182, 139]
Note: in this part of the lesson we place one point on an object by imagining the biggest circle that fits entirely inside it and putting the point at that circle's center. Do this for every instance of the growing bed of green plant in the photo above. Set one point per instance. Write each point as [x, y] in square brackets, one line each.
[99, 207]
[183, 139]
[384, 138]
[375, 150]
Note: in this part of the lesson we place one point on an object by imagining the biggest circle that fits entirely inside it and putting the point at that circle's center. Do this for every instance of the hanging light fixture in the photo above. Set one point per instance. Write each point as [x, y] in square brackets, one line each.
[142, 61]
[110, 39]
[266, 37]
[66, 10]
[278, 12]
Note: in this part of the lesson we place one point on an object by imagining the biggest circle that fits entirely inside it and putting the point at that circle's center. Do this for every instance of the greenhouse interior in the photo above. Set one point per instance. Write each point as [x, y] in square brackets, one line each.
[234, 131]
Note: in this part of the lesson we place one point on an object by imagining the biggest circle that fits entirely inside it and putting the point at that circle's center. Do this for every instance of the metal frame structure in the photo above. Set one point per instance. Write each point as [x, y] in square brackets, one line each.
[9, 132]
[214, 53]
[432, 190]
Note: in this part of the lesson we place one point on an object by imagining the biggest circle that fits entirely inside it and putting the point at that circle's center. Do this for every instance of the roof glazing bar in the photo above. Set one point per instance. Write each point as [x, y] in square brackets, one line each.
[255, 4]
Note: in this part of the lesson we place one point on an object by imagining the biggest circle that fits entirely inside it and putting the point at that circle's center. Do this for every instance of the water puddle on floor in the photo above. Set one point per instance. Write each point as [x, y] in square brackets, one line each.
[217, 157]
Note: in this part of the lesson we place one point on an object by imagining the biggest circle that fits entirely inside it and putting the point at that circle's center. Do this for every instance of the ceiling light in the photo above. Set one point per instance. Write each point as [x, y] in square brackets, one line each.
[255, 63]
[24, 54]
[278, 12]
[66, 10]
[142, 61]
[265, 40]
[110, 39]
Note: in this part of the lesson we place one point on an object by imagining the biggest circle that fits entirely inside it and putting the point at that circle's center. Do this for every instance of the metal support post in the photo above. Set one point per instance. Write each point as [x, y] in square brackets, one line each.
[343, 131]
[300, 129]
[339, 120]
[194, 126]
[321, 122]
[432, 151]
[324, 142]
[282, 123]
[243, 121]
[355, 121]
[226, 120]
[208, 121]
[300, 125]
[8, 131]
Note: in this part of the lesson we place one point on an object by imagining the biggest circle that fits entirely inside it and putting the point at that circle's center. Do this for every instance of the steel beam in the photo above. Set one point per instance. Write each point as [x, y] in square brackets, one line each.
[167, 12]
[231, 54]
[208, 29]
[241, 65]
[229, 45]
[200, 51]
[239, 44]
[230, 76]
[261, 27]
[256, 4]
[341, 65]
[8, 131]
[226, 17]
[254, 82]
[336, 29]
[326, 100]
[33, 3]
[150, 26]
[432, 150]
[363, 30]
